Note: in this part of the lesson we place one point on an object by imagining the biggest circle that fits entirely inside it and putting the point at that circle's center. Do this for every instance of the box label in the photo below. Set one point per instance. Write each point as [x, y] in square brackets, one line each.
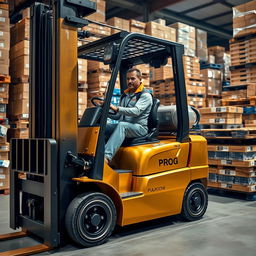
[223, 148]
[2, 176]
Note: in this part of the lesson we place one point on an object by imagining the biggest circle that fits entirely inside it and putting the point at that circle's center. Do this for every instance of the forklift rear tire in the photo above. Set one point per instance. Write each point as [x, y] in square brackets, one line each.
[195, 202]
[90, 219]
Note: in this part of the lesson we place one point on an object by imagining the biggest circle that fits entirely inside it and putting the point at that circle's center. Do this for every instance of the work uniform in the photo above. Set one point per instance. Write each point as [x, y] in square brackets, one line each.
[133, 112]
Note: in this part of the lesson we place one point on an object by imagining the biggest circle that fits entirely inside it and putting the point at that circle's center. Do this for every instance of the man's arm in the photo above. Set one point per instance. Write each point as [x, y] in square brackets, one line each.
[143, 103]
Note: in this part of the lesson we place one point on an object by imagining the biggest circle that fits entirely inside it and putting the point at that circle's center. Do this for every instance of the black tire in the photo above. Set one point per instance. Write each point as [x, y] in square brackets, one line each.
[90, 219]
[195, 202]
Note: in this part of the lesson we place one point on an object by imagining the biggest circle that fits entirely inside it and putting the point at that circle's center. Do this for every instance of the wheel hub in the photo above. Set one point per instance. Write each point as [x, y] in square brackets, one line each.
[95, 219]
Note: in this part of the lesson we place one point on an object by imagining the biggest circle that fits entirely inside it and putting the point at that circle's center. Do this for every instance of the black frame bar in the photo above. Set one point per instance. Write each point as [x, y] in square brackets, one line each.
[134, 49]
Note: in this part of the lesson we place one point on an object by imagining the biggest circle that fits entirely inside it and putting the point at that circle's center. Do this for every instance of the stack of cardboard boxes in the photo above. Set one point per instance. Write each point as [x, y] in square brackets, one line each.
[4, 38]
[231, 151]
[220, 56]
[244, 19]
[137, 26]
[120, 23]
[82, 86]
[194, 84]
[186, 35]
[201, 45]
[213, 83]
[99, 15]
[18, 109]
[160, 30]
[4, 93]
[161, 80]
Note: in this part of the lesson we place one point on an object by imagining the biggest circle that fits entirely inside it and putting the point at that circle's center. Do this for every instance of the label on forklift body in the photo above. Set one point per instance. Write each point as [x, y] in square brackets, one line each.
[156, 189]
[168, 161]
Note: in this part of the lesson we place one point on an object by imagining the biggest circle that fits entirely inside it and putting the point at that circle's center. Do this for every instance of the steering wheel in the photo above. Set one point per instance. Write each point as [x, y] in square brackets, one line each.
[96, 104]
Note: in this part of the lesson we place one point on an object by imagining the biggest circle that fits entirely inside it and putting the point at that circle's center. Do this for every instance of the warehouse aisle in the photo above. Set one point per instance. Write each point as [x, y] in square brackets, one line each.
[228, 228]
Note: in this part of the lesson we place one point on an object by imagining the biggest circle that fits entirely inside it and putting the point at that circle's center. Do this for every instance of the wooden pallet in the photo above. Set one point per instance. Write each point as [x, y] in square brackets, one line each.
[243, 76]
[221, 126]
[5, 79]
[231, 148]
[251, 101]
[247, 172]
[243, 52]
[235, 192]
[225, 162]
[240, 133]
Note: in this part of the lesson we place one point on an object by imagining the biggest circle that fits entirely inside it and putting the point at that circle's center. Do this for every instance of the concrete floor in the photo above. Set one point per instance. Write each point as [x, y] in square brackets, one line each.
[228, 228]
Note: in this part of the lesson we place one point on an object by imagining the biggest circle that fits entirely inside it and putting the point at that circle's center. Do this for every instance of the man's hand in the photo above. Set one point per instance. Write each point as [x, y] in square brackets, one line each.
[114, 108]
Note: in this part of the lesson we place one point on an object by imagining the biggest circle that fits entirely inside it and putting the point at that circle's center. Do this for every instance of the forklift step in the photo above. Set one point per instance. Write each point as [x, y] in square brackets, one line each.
[122, 171]
[125, 180]
[130, 194]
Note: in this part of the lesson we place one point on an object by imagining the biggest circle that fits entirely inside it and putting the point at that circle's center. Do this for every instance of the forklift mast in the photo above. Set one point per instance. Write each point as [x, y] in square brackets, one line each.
[48, 188]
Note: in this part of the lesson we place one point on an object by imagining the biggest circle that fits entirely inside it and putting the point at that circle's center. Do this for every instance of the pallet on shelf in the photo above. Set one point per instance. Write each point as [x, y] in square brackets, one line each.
[251, 101]
[4, 79]
[240, 133]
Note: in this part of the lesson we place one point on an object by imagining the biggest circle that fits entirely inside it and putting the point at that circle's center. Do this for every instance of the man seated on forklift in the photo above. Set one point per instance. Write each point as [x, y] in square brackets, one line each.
[132, 113]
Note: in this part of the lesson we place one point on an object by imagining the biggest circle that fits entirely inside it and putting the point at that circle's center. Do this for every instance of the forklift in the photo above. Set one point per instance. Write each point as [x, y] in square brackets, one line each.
[69, 191]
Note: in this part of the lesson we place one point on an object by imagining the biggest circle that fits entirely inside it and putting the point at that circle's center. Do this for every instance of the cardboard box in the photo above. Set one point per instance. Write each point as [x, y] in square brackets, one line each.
[4, 155]
[19, 107]
[20, 66]
[201, 44]
[19, 91]
[4, 57]
[19, 49]
[99, 15]
[161, 31]
[4, 23]
[244, 19]
[98, 77]
[4, 13]
[211, 59]
[20, 31]
[96, 65]
[4, 40]
[4, 69]
[211, 73]
[119, 23]
[4, 91]
[82, 98]
[137, 26]
[184, 30]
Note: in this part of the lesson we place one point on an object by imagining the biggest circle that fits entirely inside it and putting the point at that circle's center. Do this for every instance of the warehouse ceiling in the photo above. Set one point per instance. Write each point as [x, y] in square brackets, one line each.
[214, 16]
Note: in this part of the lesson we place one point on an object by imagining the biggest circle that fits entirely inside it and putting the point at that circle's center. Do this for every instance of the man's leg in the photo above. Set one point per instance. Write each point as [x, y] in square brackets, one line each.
[123, 130]
[109, 130]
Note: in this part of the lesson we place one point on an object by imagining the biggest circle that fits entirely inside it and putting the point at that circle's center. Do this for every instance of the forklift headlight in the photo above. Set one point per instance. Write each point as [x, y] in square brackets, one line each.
[110, 54]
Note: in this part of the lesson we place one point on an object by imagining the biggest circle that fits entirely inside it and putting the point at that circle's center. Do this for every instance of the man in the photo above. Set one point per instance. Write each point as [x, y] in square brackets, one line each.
[132, 113]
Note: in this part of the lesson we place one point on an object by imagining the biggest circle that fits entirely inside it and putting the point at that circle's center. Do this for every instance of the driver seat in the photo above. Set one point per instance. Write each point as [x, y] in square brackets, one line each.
[152, 128]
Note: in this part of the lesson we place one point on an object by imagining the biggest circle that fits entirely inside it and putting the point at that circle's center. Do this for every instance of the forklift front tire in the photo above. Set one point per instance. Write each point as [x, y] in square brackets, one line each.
[90, 218]
[195, 202]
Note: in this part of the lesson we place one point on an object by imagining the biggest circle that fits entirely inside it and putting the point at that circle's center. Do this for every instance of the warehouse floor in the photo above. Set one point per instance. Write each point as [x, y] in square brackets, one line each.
[228, 228]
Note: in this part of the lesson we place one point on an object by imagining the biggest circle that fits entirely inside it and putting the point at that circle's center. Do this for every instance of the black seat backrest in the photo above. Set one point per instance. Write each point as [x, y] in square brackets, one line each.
[152, 128]
[153, 117]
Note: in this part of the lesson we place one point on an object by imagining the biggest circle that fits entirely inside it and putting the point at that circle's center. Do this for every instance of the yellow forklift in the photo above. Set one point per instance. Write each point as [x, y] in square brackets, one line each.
[68, 189]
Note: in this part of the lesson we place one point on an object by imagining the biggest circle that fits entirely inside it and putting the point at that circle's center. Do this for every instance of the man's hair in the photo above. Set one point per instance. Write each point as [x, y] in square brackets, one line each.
[138, 73]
